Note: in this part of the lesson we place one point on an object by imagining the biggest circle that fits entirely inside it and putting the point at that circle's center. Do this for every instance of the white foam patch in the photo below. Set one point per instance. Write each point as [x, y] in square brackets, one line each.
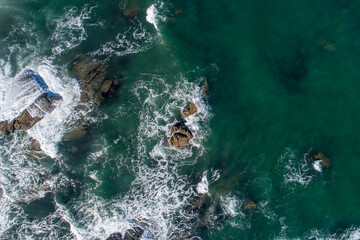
[203, 186]
[232, 206]
[296, 169]
[133, 40]
[70, 29]
[317, 165]
[155, 13]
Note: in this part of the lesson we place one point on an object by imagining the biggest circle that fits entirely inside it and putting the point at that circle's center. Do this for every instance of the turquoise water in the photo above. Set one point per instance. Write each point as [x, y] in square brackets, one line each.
[283, 79]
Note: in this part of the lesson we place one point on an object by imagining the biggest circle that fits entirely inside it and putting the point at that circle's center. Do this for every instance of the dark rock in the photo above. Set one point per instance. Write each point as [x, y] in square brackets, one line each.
[115, 236]
[91, 76]
[198, 203]
[74, 150]
[325, 162]
[180, 135]
[1, 192]
[134, 234]
[205, 89]
[190, 109]
[249, 205]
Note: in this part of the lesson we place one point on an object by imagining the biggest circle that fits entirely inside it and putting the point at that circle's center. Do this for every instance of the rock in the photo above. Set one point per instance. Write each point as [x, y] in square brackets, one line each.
[249, 205]
[76, 132]
[198, 203]
[74, 150]
[190, 109]
[180, 135]
[182, 236]
[33, 114]
[178, 11]
[325, 162]
[326, 45]
[115, 236]
[205, 89]
[1, 192]
[91, 76]
[131, 9]
[34, 145]
[134, 234]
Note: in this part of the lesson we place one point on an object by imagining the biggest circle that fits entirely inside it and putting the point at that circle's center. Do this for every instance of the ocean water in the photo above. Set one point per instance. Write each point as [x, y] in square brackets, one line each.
[284, 79]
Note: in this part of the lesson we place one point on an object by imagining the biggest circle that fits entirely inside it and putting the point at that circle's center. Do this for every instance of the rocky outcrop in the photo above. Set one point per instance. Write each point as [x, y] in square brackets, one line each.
[205, 89]
[190, 109]
[115, 236]
[249, 205]
[325, 162]
[180, 135]
[92, 79]
[44, 104]
[134, 234]
[195, 205]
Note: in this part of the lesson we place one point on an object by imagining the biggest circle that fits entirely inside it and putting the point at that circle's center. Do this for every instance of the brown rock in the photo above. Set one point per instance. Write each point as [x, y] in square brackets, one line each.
[180, 135]
[325, 161]
[205, 89]
[190, 109]
[178, 11]
[34, 145]
[249, 205]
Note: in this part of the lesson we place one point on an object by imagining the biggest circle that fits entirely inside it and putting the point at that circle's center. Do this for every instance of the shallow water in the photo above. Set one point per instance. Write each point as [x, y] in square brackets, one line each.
[283, 82]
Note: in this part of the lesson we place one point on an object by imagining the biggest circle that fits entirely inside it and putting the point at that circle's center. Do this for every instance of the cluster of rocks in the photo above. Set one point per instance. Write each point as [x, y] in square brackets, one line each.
[94, 85]
[130, 234]
[180, 133]
[42, 105]
[320, 157]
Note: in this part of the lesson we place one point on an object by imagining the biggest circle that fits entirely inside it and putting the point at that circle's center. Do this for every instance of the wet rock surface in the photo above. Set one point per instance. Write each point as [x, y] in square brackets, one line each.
[195, 205]
[205, 89]
[44, 104]
[190, 109]
[94, 86]
[249, 205]
[180, 135]
[325, 162]
[115, 236]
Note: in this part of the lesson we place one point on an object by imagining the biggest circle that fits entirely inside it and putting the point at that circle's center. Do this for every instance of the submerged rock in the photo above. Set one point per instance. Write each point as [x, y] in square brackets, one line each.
[326, 45]
[190, 109]
[249, 205]
[91, 76]
[180, 135]
[325, 162]
[33, 145]
[115, 236]
[76, 132]
[131, 9]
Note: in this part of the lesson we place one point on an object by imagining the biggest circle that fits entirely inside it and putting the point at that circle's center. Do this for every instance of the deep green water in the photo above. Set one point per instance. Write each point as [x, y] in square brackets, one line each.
[284, 79]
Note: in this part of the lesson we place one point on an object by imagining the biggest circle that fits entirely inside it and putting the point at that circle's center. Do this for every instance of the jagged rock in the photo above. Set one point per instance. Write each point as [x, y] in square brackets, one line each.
[190, 109]
[134, 234]
[34, 145]
[325, 162]
[205, 89]
[33, 114]
[91, 76]
[131, 9]
[249, 205]
[180, 135]
[198, 203]
[115, 236]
